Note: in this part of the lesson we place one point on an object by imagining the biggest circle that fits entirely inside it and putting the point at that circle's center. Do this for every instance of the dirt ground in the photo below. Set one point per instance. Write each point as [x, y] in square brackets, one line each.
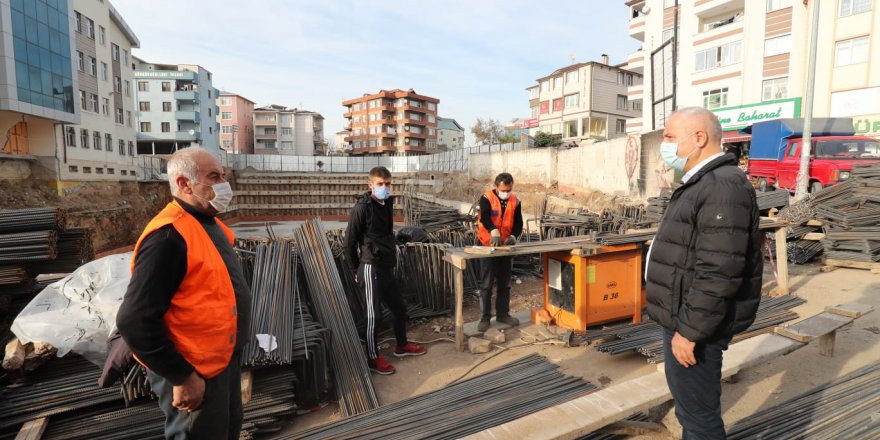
[758, 388]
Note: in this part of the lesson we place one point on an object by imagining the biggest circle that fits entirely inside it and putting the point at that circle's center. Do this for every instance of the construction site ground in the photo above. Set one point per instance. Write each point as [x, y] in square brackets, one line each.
[758, 388]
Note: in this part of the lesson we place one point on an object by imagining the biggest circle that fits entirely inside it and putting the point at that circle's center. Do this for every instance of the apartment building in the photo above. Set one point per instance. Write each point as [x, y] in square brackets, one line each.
[176, 108]
[584, 101]
[236, 123]
[339, 143]
[746, 60]
[288, 131]
[450, 134]
[392, 122]
[38, 87]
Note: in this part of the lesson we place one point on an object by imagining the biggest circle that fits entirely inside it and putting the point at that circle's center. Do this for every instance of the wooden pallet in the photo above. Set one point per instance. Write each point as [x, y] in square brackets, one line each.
[873, 267]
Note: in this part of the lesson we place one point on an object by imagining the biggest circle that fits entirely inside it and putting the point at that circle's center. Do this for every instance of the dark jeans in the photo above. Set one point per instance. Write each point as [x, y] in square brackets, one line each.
[697, 389]
[495, 270]
[380, 287]
[218, 418]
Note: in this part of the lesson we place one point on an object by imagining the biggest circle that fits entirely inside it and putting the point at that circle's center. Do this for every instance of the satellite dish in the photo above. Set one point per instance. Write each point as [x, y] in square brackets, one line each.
[192, 132]
[646, 10]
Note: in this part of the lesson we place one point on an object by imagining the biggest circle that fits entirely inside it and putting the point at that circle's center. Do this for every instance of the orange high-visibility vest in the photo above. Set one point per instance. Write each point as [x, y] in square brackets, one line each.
[202, 319]
[504, 223]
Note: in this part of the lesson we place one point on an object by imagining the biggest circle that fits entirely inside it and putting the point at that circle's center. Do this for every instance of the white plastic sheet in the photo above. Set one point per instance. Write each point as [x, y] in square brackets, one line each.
[78, 312]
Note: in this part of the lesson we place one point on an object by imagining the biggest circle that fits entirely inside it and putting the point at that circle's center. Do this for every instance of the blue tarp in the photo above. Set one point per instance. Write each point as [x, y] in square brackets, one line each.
[769, 138]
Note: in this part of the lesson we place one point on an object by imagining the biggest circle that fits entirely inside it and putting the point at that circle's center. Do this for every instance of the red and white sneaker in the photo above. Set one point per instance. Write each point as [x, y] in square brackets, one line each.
[409, 349]
[380, 366]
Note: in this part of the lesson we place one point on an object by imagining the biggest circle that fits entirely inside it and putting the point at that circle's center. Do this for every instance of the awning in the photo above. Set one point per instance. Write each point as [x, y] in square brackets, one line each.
[734, 136]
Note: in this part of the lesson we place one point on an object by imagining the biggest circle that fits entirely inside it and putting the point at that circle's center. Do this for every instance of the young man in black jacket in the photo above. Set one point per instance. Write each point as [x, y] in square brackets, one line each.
[371, 253]
[704, 267]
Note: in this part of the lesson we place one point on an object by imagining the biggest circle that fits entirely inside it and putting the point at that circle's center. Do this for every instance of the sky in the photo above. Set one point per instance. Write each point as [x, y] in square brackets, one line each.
[476, 56]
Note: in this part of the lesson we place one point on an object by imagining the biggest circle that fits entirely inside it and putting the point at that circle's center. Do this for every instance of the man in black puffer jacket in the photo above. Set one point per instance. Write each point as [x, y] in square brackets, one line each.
[704, 267]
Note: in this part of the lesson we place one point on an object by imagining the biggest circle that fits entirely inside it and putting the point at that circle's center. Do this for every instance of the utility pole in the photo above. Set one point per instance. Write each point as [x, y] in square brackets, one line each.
[803, 178]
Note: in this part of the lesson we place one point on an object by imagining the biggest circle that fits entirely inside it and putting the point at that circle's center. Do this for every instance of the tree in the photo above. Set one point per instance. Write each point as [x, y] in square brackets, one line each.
[508, 138]
[546, 140]
[487, 131]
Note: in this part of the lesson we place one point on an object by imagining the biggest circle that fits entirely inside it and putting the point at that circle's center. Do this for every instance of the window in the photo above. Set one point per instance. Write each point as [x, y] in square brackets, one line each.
[557, 82]
[777, 46]
[119, 119]
[73, 168]
[227, 144]
[210, 130]
[545, 107]
[668, 3]
[166, 86]
[793, 151]
[99, 170]
[108, 142]
[534, 92]
[122, 151]
[667, 35]
[131, 152]
[286, 145]
[226, 129]
[93, 103]
[144, 106]
[124, 172]
[775, 89]
[83, 102]
[96, 137]
[432, 118]
[629, 79]
[289, 131]
[103, 71]
[621, 78]
[773, 5]
[111, 171]
[70, 136]
[853, 7]
[127, 88]
[84, 138]
[225, 101]
[571, 77]
[545, 86]
[80, 61]
[432, 106]
[87, 170]
[557, 104]
[128, 118]
[117, 84]
[210, 112]
[622, 102]
[145, 127]
[716, 98]
[432, 132]
[269, 144]
[124, 57]
[89, 27]
[102, 35]
[144, 86]
[166, 106]
[105, 107]
[226, 115]
[571, 101]
[534, 112]
[78, 21]
[270, 131]
[93, 66]
[637, 105]
[620, 126]
[725, 55]
[851, 51]
[166, 127]
[114, 51]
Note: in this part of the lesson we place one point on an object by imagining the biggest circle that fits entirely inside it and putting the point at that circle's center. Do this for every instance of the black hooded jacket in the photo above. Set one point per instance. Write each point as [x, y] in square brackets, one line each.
[705, 268]
[371, 229]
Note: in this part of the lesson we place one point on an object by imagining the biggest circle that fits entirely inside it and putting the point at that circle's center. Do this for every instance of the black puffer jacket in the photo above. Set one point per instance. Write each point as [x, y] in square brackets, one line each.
[705, 268]
[371, 230]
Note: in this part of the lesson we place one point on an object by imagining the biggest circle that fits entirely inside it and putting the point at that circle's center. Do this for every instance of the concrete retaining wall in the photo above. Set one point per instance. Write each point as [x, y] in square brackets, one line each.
[527, 166]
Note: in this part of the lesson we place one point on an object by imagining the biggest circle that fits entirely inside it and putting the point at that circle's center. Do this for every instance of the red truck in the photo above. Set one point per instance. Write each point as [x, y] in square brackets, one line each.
[775, 152]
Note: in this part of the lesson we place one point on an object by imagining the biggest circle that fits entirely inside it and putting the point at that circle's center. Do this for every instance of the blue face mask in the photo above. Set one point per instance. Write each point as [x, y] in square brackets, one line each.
[669, 154]
[381, 192]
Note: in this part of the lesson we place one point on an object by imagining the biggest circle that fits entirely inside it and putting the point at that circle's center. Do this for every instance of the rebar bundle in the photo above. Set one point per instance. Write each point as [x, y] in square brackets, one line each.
[15, 274]
[355, 390]
[845, 408]
[20, 247]
[74, 250]
[646, 337]
[772, 199]
[425, 278]
[32, 219]
[516, 389]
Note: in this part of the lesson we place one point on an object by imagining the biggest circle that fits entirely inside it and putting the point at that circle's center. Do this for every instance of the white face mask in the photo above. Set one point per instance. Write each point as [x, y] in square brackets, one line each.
[503, 195]
[222, 196]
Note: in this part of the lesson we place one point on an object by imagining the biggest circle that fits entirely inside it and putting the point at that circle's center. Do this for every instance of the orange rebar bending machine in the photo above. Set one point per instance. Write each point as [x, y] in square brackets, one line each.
[584, 290]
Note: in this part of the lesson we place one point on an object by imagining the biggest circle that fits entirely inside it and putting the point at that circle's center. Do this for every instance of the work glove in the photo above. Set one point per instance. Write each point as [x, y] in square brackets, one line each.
[511, 240]
[495, 238]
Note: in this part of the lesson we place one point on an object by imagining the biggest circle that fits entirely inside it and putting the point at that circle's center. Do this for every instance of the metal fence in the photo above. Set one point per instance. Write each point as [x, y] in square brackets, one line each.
[449, 161]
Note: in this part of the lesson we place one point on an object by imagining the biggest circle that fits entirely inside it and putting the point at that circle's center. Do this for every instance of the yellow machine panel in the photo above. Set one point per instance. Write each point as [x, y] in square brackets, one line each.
[580, 291]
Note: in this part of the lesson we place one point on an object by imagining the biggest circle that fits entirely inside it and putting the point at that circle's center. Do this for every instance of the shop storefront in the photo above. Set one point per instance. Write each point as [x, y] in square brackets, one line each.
[734, 119]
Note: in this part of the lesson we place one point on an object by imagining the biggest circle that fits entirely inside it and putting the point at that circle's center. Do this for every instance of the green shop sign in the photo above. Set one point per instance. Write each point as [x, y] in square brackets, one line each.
[735, 118]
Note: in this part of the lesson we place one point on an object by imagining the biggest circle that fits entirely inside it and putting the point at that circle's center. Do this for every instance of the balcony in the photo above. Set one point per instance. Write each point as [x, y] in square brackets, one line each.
[712, 8]
[261, 122]
[183, 75]
[421, 135]
[186, 116]
[637, 27]
[636, 61]
[712, 37]
[266, 135]
[635, 92]
[633, 125]
[186, 95]
[186, 136]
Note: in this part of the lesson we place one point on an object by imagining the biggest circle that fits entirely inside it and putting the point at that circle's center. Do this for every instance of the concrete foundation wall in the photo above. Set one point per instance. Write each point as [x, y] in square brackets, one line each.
[527, 166]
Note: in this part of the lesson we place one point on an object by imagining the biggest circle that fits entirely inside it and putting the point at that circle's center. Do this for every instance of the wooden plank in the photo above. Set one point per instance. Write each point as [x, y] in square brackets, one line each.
[33, 429]
[458, 274]
[813, 327]
[814, 236]
[486, 250]
[853, 264]
[632, 427]
[815, 223]
[781, 262]
[247, 386]
[826, 269]
[851, 310]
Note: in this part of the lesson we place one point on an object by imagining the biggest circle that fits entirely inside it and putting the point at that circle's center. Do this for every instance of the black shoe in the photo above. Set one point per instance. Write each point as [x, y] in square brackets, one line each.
[483, 325]
[509, 320]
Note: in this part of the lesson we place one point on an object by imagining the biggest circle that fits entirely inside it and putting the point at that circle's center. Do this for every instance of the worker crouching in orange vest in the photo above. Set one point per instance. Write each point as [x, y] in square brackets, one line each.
[188, 304]
[500, 222]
